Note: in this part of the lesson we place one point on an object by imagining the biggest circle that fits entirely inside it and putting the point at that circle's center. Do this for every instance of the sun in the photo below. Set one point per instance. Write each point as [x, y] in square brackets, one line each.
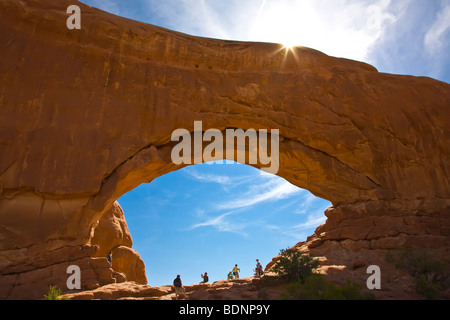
[289, 40]
[288, 37]
[288, 45]
[281, 23]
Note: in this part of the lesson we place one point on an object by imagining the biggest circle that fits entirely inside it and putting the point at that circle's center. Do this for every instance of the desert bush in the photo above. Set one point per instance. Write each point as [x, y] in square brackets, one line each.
[430, 276]
[316, 287]
[54, 293]
[295, 266]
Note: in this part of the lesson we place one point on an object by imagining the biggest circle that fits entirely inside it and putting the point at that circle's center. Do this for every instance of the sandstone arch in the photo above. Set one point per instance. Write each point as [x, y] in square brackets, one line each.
[87, 115]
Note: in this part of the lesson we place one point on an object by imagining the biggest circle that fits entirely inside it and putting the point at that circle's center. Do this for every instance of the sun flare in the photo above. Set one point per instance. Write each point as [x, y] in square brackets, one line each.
[288, 45]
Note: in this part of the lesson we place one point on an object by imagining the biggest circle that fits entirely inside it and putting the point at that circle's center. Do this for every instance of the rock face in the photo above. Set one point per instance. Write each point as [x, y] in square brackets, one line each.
[87, 115]
[357, 236]
[111, 234]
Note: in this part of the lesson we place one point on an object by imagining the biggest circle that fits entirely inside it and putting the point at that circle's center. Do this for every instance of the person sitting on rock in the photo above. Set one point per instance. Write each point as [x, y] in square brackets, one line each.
[230, 275]
[205, 278]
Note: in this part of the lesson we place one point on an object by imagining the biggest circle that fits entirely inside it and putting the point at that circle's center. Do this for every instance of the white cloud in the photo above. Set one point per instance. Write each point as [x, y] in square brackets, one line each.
[260, 187]
[313, 220]
[434, 37]
[342, 28]
[307, 202]
[275, 189]
[300, 231]
[219, 222]
[106, 5]
[224, 223]
[204, 177]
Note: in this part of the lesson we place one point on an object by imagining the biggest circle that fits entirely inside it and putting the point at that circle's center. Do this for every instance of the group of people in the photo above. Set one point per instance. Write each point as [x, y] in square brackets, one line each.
[233, 274]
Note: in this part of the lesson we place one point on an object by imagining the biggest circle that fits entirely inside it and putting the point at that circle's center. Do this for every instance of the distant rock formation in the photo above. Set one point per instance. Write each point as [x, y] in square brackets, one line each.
[87, 115]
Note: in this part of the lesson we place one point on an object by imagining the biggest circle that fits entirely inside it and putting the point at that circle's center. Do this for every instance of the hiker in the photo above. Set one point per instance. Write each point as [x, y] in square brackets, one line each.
[178, 286]
[258, 270]
[230, 275]
[236, 271]
[110, 258]
[205, 278]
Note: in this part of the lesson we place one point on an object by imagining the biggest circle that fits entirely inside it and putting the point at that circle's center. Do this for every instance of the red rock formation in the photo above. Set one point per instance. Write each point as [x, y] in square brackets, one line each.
[128, 261]
[87, 115]
[111, 232]
[112, 235]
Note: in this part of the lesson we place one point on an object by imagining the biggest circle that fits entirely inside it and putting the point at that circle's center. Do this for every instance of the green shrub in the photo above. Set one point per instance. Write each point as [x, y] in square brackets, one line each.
[430, 276]
[429, 289]
[54, 294]
[295, 266]
[315, 287]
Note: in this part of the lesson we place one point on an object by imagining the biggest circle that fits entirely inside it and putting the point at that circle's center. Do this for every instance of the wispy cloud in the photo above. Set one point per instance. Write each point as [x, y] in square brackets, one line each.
[228, 215]
[434, 37]
[299, 232]
[205, 177]
[106, 5]
[313, 220]
[307, 202]
[275, 189]
[224, 223]
[343, 28]
[243, 193]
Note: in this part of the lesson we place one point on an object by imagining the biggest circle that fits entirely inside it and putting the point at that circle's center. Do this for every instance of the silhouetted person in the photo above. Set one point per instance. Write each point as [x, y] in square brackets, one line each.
[178, 286]
[258, 269]
[205, 278]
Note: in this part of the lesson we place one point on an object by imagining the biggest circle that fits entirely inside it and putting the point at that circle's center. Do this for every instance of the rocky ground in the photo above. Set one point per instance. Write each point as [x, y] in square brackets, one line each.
[237, 289]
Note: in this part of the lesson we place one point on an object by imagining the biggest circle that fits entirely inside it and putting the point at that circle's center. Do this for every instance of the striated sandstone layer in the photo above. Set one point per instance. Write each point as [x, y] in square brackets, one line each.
[87, 115]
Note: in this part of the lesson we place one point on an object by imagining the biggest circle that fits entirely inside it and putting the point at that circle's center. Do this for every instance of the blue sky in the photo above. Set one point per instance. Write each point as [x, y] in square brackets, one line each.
[208, 217]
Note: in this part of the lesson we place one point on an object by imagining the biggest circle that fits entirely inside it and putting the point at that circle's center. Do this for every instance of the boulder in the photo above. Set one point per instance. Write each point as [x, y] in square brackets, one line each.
[127, 261]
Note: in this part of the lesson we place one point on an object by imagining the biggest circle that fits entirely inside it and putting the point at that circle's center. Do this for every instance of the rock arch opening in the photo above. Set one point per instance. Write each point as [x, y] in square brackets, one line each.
[207, 217]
